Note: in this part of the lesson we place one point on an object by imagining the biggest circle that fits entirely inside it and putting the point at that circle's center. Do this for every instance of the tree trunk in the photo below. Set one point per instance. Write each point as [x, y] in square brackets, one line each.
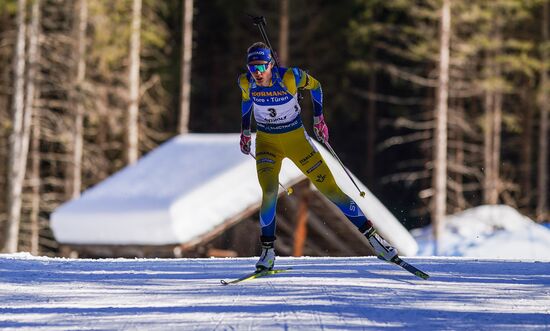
[542, 187]
[526, 150]
[440, 135]
[460, 160]
[133, 107]
[35, 180]
[493, 120]
[29, 115]
[497, 139]
[488, 181]
[187, 56]
[283, 34]
[16, 173]
[78, 130]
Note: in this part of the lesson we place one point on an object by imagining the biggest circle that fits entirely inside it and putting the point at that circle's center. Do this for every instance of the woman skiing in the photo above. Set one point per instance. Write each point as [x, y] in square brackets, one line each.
[270, 93]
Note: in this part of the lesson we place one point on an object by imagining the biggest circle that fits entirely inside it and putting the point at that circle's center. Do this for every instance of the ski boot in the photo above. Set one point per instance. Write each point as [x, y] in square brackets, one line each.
[382, 248]
[267, 257]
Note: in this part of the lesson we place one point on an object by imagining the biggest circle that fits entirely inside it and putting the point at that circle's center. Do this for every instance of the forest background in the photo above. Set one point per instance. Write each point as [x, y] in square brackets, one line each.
[436, 105]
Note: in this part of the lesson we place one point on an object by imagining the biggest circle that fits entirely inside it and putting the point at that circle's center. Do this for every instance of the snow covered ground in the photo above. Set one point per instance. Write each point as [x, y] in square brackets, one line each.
[490, 231]
[318, 294]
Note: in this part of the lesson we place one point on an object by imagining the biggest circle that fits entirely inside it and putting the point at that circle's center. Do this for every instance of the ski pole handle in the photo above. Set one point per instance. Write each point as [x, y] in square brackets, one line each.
[258, 20]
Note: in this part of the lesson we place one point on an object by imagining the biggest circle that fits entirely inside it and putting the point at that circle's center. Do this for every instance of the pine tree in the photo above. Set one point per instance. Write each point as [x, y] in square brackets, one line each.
[187, 55]
[18, 154]
[133, 82]
[542, 186]
[78, 130]
[440, 135]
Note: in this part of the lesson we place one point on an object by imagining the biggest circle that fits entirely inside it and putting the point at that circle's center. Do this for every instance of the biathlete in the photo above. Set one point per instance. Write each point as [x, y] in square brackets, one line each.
[271, 95]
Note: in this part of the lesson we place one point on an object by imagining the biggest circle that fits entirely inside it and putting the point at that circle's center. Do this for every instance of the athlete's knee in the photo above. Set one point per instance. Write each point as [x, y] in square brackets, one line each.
[270, 189]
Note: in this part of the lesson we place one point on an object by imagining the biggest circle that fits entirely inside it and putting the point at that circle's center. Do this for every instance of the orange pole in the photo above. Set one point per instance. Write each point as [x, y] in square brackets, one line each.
[300, 234]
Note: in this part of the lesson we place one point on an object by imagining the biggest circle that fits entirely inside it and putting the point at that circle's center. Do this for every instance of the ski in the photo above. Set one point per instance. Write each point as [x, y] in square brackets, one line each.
[410, 268]
[254, 275]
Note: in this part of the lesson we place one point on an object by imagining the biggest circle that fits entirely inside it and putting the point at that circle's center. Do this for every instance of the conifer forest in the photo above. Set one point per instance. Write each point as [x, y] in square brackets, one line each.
[436, 105]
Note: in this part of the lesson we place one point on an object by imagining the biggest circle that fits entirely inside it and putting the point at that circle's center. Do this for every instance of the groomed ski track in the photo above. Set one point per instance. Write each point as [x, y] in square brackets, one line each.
[39, 293]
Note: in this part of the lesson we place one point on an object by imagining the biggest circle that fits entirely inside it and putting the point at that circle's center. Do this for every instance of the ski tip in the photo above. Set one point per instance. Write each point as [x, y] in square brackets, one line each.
[223, 282]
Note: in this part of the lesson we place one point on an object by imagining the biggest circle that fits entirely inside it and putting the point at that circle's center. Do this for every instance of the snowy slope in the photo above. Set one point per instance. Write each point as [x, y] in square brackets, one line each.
[490, 231]
[319, 294]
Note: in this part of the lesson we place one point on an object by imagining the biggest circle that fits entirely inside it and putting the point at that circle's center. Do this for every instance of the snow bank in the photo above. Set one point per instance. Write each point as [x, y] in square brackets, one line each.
[491, 231]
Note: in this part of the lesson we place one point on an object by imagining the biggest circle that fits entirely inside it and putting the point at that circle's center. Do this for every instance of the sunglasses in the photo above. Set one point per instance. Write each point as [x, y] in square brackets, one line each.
[258, 67]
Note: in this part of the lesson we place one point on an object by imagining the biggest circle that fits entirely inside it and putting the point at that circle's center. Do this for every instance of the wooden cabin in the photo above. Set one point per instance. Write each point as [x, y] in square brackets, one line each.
[198, 196]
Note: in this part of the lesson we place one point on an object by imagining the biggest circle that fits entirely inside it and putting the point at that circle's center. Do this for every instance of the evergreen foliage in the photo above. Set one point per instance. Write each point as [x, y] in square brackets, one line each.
[376, 60]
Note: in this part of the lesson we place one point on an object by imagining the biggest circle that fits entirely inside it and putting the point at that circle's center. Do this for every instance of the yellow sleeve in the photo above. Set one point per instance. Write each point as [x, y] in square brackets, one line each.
[304, 81]
[289, 80]
[246, 103]
[244, 84]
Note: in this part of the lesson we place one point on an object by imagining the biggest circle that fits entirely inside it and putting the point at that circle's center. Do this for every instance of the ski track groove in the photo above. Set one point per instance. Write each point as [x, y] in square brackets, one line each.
[284, 315]
[234, 301]
[329, 295]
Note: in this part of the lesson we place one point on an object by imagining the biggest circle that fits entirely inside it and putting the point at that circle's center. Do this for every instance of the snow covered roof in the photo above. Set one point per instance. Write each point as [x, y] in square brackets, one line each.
[185, 188]
[490, 231]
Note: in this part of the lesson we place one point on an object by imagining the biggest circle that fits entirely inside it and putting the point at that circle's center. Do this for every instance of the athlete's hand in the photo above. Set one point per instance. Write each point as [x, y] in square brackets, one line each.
[245, 141]
[320, 128]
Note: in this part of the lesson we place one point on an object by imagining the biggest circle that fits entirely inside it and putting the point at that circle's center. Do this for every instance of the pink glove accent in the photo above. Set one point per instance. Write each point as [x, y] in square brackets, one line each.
[320, 128]
[245, 141]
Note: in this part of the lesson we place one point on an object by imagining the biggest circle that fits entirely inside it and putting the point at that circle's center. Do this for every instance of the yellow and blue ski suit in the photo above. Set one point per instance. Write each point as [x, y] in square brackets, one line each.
[280, 134]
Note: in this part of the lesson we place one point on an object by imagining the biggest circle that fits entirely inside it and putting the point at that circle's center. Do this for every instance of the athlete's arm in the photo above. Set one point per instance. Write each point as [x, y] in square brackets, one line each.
[306, 81]
[246, 103]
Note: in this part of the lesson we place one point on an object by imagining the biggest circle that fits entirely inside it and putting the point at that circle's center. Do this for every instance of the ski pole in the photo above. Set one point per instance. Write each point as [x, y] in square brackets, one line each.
[361, 193]
[260, 22]
[288, 191]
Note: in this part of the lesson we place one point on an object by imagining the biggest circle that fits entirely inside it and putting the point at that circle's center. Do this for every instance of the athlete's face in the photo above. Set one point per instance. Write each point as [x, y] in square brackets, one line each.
[261, 71]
